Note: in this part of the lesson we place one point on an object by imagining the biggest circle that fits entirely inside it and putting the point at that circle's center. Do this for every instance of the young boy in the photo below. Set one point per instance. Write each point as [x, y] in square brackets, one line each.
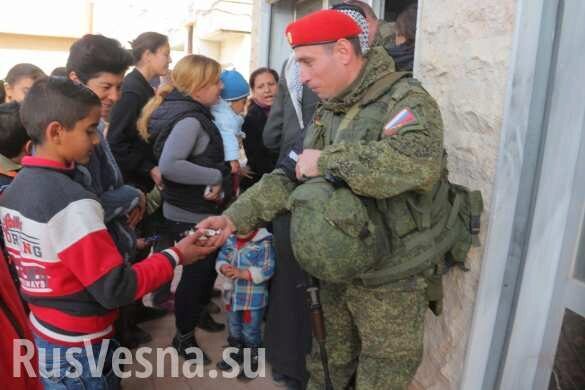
[228, 117]
[99, 63]
[14, 142]
[246, 263]
[71, 273]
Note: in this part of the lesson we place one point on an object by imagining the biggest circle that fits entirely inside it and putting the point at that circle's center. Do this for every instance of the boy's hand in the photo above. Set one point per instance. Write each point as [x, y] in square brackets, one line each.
[193, 249]
[221, 223]
[238, 273]
[137, 213]
[225, 269]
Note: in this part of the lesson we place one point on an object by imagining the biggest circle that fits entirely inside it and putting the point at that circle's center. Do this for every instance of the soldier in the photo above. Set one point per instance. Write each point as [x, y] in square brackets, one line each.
[373, 151]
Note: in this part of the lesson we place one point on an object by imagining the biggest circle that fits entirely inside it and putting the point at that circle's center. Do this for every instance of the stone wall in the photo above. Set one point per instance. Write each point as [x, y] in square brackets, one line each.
[462, 58]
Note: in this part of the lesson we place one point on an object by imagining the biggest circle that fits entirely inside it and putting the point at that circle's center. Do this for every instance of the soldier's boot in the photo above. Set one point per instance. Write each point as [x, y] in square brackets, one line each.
[237, 357]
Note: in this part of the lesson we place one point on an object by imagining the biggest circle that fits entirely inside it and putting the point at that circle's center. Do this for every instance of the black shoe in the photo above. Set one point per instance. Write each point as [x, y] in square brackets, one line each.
[206, 322]
[252, 365]
[133, 337]
[182, 342]
[237, 356]
[212, 308]
[145, 313]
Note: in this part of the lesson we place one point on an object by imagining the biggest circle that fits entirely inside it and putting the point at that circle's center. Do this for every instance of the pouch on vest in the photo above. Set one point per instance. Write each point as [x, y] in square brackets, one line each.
[332, 235]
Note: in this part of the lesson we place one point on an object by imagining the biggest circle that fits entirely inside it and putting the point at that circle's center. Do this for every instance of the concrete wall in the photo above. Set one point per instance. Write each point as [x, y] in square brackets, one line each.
[462, 58]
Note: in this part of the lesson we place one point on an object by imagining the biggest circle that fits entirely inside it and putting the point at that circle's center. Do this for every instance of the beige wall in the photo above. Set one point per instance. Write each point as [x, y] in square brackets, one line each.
[462, 58]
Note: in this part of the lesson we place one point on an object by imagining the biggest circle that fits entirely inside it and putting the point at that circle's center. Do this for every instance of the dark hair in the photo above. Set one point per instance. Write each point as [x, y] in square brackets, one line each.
[55, 99]
[148, 41]
[60, 72]
[366, 8]
[258, 72]
[20, 71]
[2, 92]
[95, 54]
[406, 23]
[13, 135]
[355, 44]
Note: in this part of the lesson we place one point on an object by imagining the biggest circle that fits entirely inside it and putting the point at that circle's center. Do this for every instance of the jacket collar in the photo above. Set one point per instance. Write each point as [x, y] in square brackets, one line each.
[32, 161]
[378, 65]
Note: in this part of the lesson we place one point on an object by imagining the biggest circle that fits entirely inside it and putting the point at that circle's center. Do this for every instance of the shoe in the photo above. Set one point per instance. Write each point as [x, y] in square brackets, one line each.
[145, 313]
[253, 365]
[206, 322]
[237, 357]
[212, 308]
[133, 337]
[182, 342]
[279, 380]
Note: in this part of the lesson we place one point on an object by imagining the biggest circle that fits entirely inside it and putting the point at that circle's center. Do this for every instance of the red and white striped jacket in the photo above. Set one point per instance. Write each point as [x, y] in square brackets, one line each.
[70, 271]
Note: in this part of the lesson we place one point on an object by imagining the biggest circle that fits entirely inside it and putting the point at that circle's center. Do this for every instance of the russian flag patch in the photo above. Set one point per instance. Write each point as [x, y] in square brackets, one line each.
[403, 118]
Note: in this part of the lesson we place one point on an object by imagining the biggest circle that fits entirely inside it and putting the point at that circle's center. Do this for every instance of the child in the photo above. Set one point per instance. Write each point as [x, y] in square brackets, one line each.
[19, 79]
[14, 142]
[228, 117]
[247, 261]
[71, 273]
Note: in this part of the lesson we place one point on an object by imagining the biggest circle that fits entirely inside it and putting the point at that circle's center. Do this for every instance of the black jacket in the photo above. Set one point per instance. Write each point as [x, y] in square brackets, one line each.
[260, 159]
[133, 155]
[174, 108]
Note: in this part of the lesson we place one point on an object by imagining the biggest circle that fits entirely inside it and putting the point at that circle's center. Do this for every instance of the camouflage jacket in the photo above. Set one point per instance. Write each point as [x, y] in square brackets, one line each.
[355, 149]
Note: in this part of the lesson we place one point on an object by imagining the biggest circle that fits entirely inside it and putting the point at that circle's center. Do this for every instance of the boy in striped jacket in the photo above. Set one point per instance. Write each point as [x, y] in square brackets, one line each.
[71, 273]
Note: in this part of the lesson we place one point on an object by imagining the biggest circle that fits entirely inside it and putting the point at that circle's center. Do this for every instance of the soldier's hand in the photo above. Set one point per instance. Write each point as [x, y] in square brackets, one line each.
[221, 223]
[307, 164]
[193, 249]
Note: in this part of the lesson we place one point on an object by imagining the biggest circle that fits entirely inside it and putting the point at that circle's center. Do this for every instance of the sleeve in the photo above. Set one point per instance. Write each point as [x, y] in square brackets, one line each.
[231, 146]
[409, 160]
[259, 204]
[173, 163]
[123, 136]
[86, 248]
[265, 269]
[272, 134]
[224, 257]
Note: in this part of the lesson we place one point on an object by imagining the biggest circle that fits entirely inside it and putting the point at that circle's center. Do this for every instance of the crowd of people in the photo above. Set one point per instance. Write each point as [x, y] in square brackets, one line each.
[110, 179]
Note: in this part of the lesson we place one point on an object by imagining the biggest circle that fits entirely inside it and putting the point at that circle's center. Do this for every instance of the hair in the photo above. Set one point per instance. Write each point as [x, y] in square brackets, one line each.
[258, 72]
[2, 92]
[148, 41]
[55, 99]
[192, 73]
[366, 8]
[20, 71]
[355, 44]
[60, 71]
[13, 135]
[94, 54]
[406, 23]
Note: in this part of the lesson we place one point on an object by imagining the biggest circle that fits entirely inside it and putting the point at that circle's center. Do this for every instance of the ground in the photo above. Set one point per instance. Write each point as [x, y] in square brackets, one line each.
[162, 331]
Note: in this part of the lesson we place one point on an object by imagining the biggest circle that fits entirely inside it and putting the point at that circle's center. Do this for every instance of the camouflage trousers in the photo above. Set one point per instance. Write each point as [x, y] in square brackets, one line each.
[375, 334]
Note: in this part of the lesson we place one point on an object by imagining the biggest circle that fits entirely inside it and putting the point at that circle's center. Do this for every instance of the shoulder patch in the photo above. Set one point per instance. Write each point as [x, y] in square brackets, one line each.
[403, 118]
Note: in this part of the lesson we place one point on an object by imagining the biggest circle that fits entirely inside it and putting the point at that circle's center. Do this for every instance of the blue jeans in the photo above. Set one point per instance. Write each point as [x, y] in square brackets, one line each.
[248, 333]
[54, 367]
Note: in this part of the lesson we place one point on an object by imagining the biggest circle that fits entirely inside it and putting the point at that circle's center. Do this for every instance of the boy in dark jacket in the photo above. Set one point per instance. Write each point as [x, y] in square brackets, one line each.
[70, 271]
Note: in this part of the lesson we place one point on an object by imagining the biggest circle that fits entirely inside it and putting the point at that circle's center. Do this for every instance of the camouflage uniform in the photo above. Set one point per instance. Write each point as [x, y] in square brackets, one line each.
[374, 332]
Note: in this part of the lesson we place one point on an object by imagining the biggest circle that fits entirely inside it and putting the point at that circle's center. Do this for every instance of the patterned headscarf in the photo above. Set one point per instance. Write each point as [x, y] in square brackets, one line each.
[358, 17]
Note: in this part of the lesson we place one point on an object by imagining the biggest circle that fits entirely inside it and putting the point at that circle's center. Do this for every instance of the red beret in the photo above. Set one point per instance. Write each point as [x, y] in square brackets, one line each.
[321, 27]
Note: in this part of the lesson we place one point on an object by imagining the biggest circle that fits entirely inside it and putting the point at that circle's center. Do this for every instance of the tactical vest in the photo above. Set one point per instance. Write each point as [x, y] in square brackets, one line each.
[341, 237]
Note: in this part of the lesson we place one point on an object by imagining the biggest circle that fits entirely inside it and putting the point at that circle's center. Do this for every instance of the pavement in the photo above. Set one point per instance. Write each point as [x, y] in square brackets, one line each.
[162, 331]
